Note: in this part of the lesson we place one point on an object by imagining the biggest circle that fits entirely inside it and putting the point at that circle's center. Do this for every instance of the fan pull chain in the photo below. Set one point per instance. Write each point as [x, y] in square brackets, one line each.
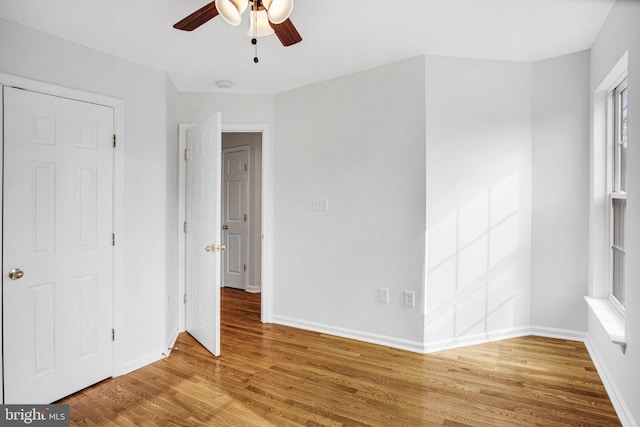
[254, 40]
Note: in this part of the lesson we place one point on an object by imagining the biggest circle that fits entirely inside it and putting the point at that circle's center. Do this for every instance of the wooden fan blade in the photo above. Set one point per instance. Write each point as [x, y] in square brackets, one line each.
[286, 32]
[198, 17]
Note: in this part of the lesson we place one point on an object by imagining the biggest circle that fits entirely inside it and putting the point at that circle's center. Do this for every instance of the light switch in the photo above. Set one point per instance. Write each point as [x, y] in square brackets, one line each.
[383, 295]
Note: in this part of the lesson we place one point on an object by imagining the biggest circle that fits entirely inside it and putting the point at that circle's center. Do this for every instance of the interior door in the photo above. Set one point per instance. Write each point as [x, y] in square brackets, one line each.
[235, 216]
[57, 246]
[203, 243]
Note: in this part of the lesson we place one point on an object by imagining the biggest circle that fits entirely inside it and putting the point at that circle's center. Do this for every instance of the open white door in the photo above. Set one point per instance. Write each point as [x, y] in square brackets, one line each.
[203, 243]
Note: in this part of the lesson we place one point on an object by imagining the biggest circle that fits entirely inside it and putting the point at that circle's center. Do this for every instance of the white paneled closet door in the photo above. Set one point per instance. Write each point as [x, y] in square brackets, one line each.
[57, 257]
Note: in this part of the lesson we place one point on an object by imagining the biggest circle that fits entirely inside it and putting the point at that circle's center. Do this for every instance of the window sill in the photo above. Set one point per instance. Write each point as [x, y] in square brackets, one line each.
[610, 319]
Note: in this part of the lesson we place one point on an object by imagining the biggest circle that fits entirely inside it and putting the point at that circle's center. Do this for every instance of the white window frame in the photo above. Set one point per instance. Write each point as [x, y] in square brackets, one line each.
[604, 309]
[617, 195]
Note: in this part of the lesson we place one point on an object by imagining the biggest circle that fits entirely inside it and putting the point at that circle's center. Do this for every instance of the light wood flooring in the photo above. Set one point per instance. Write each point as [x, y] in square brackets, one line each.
[271, 375]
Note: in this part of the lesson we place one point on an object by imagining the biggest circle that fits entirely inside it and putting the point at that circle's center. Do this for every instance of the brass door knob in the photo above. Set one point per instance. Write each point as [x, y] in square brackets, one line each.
[222, 247]
[16, 274]
[225, 227]
[210, 248]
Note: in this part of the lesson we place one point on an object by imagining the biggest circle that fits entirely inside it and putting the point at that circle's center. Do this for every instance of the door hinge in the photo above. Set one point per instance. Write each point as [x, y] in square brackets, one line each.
[113, 335]
[113, 239]
[184, 227]
[187, 155]
[114, 140]
[245, 267]
[184, 298]
[245, 167]
[245, 217]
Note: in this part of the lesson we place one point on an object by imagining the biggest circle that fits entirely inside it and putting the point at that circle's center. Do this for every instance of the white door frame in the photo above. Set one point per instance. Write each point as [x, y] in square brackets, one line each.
[118, 187]
[267, 215]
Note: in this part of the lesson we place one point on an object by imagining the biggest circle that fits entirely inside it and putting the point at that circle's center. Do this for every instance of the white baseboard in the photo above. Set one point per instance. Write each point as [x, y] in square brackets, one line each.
[433, 346]
[254, 289]
[622, 410]
[448, 344]
[563, 334]
[171, 343]
[402, 344]
[141, 362]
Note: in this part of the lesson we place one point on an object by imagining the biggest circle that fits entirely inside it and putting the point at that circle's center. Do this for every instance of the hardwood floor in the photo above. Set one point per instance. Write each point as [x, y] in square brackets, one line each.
[275, 375]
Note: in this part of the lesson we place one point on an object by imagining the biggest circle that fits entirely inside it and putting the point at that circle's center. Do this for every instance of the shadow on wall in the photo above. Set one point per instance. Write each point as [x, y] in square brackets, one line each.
[472, 269]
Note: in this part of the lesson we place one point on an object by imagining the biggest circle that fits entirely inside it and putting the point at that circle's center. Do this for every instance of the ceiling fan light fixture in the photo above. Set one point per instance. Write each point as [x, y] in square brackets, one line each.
[278, 10]
[231, 10]
[259, 24]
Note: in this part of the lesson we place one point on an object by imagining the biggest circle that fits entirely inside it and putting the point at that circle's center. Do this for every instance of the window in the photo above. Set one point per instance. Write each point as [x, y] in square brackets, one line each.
[608, 202]
[619, 193]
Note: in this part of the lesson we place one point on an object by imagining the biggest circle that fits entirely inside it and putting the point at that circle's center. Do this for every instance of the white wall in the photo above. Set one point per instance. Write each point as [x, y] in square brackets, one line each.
[359, 141]
[621, 372]
[560, 217]
[145, 242]
[235, 108]
[478, 172]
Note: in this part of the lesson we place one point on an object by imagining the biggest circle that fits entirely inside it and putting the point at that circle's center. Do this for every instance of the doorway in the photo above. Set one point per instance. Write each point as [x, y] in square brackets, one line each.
[262, 242]
[241, 210]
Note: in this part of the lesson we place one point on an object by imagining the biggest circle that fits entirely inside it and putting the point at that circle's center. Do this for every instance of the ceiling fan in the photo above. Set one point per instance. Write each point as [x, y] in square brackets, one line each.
[267, 17]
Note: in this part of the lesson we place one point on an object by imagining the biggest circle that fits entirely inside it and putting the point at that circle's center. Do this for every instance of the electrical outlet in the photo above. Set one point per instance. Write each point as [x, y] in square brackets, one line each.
[409, 298]
[383, 295]
[320, 205]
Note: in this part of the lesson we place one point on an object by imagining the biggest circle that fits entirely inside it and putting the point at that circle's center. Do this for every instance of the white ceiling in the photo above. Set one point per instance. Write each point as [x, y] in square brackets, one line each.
[339, 36]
